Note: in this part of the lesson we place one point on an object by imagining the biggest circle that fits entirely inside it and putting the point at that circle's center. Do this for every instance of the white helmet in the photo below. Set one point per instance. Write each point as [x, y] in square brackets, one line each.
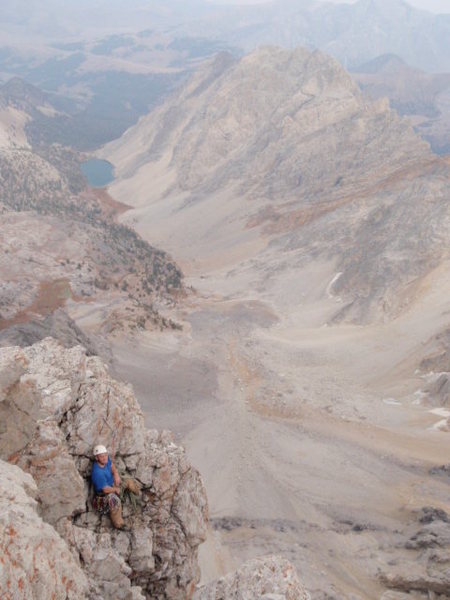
[100, 450]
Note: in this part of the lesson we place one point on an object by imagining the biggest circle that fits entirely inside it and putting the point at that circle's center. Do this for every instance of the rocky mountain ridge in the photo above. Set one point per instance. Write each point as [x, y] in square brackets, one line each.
[161, 45]
[353, 33]
[266, 579]
[281, 151]
[72, 103]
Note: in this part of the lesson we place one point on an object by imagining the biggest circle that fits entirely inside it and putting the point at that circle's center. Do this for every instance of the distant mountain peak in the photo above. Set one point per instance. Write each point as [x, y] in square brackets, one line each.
[19, 92]
[384, 5]
[17, 85]
[386, 63]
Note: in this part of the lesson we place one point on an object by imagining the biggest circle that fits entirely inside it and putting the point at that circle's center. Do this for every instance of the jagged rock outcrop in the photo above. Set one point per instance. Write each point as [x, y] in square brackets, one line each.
[36, 563]
[55, 404]
[268, 578]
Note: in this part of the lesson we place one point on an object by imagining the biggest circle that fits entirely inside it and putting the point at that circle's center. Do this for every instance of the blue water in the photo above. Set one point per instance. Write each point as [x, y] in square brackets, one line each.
[98, 172]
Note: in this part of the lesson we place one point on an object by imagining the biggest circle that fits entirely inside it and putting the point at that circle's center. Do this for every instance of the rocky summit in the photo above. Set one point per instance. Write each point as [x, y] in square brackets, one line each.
[279, 158]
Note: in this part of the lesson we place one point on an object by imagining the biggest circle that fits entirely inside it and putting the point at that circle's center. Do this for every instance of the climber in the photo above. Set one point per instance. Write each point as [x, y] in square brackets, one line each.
[108, 486]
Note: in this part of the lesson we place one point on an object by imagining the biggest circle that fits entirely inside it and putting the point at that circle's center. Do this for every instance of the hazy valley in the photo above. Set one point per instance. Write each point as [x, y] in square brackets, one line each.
[269, 269]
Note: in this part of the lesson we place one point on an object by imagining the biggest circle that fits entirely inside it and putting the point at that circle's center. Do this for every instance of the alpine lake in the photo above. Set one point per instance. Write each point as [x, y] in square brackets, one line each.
[97, 172]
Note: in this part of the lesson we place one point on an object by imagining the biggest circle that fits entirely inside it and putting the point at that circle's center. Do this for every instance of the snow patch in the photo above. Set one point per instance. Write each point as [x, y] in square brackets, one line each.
[441, 412]
[330, 285]
[419, 395]
[441, 425]
[392, 401]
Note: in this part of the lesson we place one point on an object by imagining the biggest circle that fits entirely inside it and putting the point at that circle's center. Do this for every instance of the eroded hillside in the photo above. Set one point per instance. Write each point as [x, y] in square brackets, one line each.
[61, 243]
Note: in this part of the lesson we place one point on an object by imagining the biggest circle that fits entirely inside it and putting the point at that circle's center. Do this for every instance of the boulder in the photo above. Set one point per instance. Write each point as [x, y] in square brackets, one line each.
[428, 570]
[55, 405]
[268, 578]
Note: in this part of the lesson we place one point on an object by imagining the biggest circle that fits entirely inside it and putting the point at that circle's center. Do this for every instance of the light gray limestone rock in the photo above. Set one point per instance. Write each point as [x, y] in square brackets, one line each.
[36, 563]
[56, 404]
[268, 578]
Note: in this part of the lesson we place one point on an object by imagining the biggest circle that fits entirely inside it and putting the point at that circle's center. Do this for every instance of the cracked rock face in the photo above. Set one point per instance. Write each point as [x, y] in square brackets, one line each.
[35, 561]
[55, 405]
[268, 578]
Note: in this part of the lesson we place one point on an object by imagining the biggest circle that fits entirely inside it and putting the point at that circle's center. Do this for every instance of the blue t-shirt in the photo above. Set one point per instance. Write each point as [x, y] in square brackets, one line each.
[102, 476]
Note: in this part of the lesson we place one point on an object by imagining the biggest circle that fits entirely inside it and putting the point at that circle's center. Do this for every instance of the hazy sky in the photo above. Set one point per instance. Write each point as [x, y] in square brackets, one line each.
[431, 5]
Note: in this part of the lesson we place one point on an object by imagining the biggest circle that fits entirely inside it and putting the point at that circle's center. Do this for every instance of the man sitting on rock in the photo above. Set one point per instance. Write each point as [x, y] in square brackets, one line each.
[107, 487]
